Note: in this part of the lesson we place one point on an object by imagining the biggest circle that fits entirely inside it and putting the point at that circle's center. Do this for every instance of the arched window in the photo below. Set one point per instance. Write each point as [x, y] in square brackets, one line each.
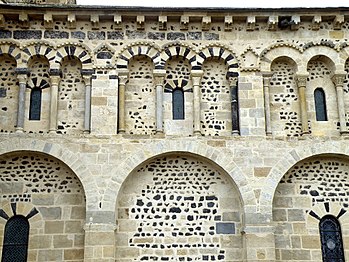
[320, 104]
[331, 239]
[35, 104]
[15, 246]
[178, 103]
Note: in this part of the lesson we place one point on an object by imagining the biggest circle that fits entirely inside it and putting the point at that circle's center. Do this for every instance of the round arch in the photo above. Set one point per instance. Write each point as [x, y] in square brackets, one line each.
[69, 158]
[337, 61]
[39, 49]
[221, 52]
[221, 160]
[290, 52]
[78, 51]
[135, 49]
[179, 50]
[291, 158]
[11, 49]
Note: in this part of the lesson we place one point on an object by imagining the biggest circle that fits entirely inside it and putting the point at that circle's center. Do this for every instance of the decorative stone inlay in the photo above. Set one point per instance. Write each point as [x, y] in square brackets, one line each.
[285, 116]
[176, 209]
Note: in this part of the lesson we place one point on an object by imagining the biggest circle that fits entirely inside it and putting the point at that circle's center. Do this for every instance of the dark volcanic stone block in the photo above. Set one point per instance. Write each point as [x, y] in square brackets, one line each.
[5, 34]
[135, 34]
[56, 34]
[78, 35]
[156, 35]
[211, 36]
[115, 35]
[96, 35]
[27, 34]
[175, 36]
[194, 35]
[225, 228]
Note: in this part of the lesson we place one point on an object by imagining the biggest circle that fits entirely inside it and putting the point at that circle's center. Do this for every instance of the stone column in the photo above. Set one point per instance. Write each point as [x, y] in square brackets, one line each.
[159, 75]
[87, 76]
[99, 242]
[301, 83]
[123, 78]
[55, 78]
[22, 79]
[196, 78]
[233, 83]
[338, 80]
[266, 83]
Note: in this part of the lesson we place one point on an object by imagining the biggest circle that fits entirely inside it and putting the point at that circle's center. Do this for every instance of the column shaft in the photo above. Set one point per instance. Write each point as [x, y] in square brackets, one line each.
[301, 82]
[338, 80]
[266, 83]
[233, 83]
[22, 78]
[122, 89]
[87, 117]
[159, 82]
[196, 78]
[55, 79]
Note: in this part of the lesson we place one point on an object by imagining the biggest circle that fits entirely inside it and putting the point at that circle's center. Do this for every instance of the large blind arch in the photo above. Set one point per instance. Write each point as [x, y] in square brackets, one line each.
[331, 239]
[16, 238]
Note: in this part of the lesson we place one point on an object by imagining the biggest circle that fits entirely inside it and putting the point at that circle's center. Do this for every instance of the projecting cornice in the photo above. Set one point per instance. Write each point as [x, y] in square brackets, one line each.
[274, 19]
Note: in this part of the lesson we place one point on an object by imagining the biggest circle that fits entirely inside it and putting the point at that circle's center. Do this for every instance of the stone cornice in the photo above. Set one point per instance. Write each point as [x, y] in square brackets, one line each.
[275, 18]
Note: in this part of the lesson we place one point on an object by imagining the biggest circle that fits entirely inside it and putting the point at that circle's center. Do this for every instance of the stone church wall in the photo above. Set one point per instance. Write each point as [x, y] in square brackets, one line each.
[107, 173]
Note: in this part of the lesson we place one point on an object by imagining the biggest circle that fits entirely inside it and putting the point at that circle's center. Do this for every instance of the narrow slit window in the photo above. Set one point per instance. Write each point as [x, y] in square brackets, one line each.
[178, 103]
[16, 237]
[320, 104]
[35, 104]
[331, 239]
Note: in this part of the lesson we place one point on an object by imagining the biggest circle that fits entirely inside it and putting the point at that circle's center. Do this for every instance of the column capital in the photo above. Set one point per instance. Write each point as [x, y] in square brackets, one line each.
[196, 76]
[159, 72]
[267, 74]
[301, 80]
[123, 76]
[159, 75]
[22, 78]
[55, 79]
[338, 79]
[87, 79]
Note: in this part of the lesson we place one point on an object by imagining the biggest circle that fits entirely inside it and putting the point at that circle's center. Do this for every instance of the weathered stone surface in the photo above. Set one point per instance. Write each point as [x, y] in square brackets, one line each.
[56, 34]
[27, 34]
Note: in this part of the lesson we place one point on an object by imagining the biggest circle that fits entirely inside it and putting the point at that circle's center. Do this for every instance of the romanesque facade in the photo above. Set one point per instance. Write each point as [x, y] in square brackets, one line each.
[152, 134]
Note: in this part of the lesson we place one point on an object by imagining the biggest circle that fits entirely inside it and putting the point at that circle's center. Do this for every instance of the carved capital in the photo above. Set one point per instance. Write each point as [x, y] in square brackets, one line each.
[196, 76]
[267, 77]
[123, 79]
[87, 79]
[233, 81]
[159, 75]
[338, 79]
[22, 79]
[55, 79]
[301, 80]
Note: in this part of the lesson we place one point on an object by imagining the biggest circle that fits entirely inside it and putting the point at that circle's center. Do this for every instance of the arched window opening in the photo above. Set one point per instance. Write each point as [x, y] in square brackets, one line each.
[331, 239]
[178, 104]
[320, 104]
[35, 104]
[16, 236]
